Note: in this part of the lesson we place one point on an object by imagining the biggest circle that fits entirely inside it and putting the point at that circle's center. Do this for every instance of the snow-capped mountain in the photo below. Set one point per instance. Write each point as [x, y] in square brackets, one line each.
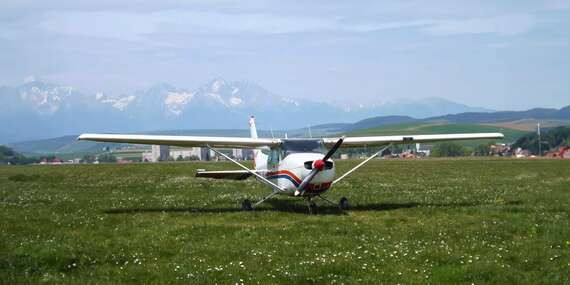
[41, 110]
[45, 99]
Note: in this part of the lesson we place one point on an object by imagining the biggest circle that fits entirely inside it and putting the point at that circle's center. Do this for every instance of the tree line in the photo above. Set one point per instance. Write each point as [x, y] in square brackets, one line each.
[9, 156]
[550, 139]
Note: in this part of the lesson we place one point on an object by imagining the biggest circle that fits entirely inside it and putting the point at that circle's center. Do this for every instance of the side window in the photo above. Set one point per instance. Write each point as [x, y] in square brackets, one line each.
[273, 158]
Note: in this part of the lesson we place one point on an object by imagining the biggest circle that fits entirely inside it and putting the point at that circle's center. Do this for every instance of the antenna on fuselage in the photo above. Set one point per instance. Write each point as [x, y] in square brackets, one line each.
[271, 130]
[310, 134]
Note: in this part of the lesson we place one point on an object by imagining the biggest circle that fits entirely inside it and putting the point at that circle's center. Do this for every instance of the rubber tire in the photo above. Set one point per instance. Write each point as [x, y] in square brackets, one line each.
[312, 208]
[343, 203]
[246, 205]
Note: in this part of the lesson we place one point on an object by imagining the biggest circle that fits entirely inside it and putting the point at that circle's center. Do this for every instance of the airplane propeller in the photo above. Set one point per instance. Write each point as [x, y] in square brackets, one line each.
[318, 166]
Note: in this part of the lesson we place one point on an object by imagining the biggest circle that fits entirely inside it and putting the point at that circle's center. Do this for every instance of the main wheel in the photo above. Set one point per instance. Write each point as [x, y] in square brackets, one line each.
[343, 203]
[246, 205]
[312, 208]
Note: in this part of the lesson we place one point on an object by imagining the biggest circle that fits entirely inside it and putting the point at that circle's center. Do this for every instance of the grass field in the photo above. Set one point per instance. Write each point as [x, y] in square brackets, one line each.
[429, 221]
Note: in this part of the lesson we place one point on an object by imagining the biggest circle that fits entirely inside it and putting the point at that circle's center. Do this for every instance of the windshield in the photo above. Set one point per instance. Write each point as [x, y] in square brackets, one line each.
[302, 145]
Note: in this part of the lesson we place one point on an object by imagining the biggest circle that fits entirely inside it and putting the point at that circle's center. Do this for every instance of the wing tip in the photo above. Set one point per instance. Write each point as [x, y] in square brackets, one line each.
[85, 137]
[498, 135]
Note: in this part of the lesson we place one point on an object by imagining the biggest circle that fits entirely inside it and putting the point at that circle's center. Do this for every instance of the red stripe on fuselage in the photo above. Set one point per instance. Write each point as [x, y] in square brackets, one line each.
[286, 172]
[319, 187]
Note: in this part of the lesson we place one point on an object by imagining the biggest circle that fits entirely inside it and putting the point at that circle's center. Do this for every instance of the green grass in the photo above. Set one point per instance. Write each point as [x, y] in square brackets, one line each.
[511, 135]
[423, 221]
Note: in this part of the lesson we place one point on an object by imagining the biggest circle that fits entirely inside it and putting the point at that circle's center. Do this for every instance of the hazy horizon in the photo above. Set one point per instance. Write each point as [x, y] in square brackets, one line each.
[503, 56]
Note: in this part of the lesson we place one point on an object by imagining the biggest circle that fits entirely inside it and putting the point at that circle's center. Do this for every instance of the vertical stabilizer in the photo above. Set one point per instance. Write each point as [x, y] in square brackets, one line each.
[252, 129]
[259, 159]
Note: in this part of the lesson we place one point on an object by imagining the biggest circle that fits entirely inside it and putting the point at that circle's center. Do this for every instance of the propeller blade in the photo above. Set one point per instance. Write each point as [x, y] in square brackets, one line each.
[307, 180]
[333, 149]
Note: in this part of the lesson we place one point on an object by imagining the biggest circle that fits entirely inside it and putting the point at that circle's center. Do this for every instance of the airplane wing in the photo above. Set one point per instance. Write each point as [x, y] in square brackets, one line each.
[224, 174]
[408, 139]
[184, 141]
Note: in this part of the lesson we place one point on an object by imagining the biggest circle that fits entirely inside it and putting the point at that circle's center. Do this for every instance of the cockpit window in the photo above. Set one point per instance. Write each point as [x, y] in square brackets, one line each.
[302, 145]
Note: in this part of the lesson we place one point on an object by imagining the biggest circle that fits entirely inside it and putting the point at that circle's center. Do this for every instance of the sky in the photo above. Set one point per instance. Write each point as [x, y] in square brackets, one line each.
[496, 54]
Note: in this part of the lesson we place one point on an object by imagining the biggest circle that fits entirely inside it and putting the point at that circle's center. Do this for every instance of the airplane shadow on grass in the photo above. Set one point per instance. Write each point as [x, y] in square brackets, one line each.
[291, 206]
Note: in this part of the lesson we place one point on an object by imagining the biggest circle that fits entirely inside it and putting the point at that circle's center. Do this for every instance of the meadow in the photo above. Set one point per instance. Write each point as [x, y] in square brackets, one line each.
[482, 221]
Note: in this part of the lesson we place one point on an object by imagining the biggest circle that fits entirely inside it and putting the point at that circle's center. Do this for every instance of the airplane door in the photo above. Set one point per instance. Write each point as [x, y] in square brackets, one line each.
[273, 159]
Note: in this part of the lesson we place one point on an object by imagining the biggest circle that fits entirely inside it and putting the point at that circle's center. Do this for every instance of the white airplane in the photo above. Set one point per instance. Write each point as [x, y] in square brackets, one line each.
[297, 167]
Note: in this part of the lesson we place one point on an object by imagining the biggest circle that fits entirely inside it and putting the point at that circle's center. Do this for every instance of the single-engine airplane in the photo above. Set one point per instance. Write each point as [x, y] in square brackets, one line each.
[299, 167]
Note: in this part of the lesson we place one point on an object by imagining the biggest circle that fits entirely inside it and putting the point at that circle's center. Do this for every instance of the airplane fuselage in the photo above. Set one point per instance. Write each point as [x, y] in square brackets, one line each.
[289, 172]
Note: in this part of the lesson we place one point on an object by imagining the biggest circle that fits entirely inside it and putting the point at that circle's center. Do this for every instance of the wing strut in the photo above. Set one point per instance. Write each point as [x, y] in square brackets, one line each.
[263, 179]
[362, 163]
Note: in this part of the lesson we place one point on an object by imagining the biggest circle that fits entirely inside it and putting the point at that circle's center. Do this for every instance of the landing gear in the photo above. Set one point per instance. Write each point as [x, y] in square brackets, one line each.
[343, 203]
[246, 205]
[312, 208]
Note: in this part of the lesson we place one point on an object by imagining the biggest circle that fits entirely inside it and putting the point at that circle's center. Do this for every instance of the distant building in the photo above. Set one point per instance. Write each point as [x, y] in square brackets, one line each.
[157, 153]
[53, 161]
[563, 152]
[160, 153]
[521, 153]
[205, 154]
[499, 149]
[186, 153]
[423, 149]
[237, 153]
[247, 154]
[146, 157]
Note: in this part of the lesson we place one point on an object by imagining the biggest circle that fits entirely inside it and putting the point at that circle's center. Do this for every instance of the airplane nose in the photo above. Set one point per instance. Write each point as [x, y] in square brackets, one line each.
[319, 164]
[324, 175]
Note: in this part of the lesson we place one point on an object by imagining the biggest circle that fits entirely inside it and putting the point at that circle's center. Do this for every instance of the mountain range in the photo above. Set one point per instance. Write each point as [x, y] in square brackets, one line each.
[512, 123]
[37, 109]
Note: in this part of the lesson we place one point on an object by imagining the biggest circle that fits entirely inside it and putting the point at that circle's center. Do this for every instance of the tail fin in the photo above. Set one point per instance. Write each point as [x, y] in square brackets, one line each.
[252, 129]
[259, 159]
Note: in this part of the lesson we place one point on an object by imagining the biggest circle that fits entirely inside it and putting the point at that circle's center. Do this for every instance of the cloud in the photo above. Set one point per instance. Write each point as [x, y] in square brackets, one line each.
[138, 26]
[113, 25]
[502, 25]
[134, 26]
[379, 26]
[557, 5]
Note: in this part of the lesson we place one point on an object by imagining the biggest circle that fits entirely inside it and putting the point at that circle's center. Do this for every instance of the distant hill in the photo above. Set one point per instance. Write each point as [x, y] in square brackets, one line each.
[506, 116]
[519, 120]
[380, 121]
